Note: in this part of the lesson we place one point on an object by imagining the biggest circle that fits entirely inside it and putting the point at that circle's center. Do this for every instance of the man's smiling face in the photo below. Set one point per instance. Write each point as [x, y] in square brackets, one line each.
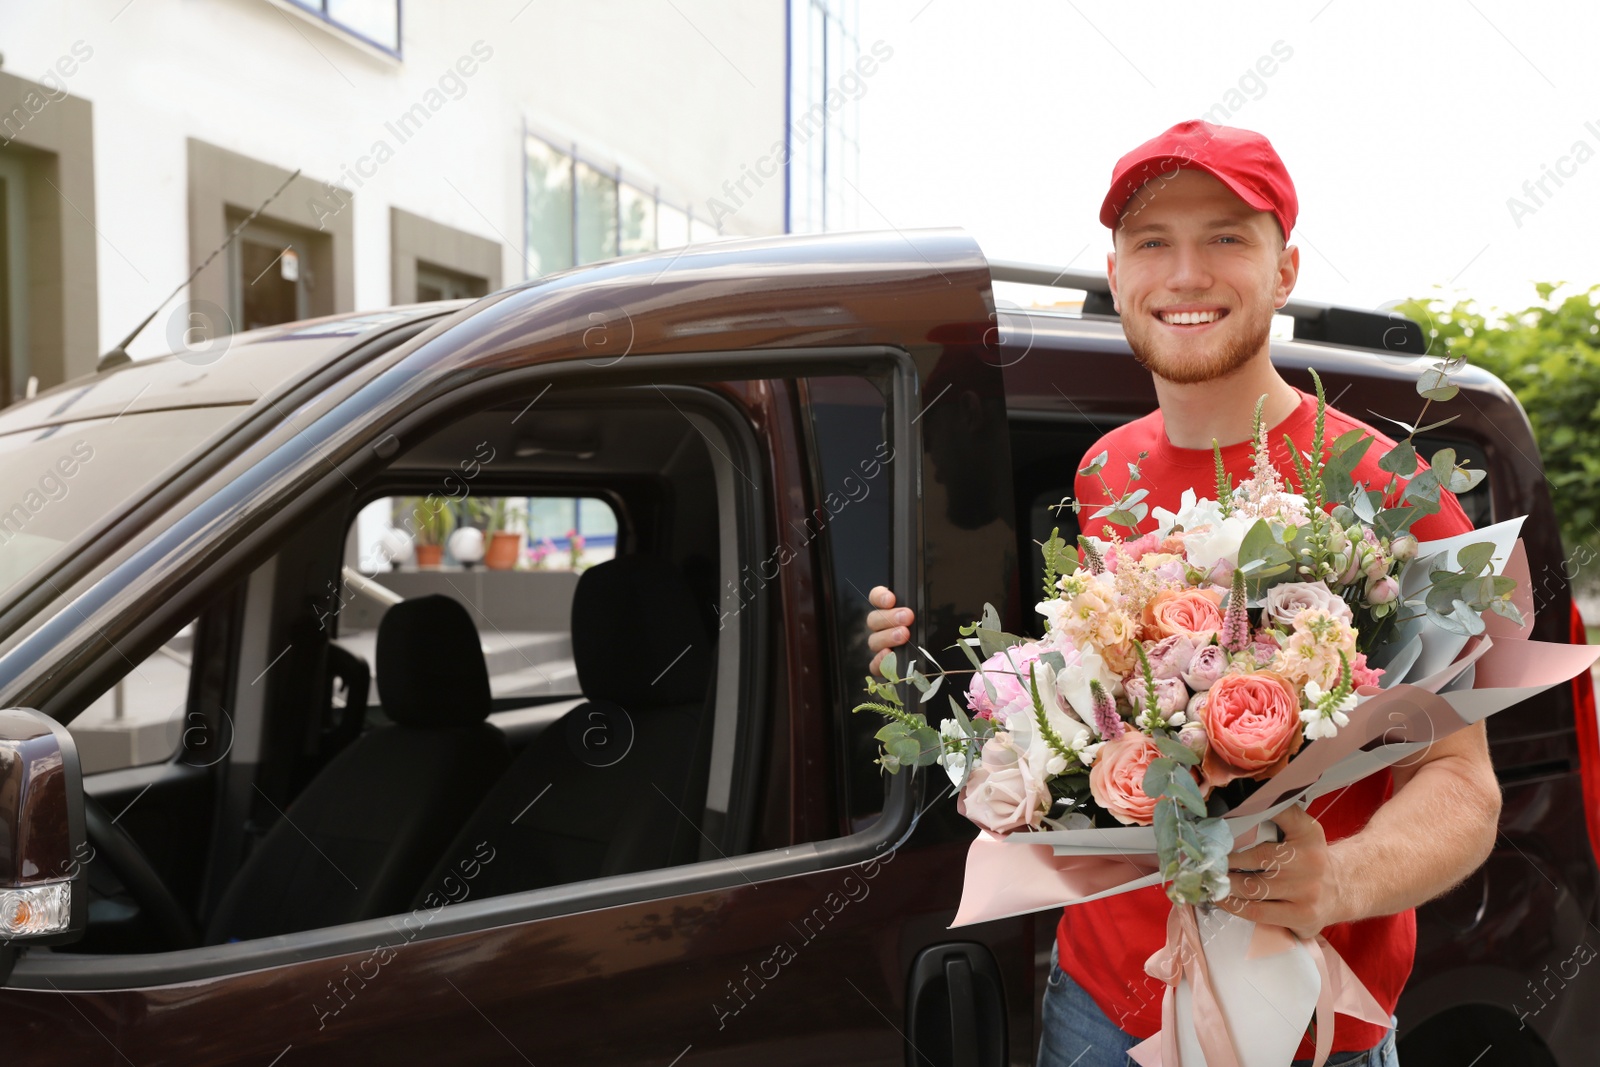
[1196, 276]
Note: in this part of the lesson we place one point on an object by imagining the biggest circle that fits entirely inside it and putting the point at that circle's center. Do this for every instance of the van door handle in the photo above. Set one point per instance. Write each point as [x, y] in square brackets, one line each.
[955, 1008]
[963, 1012]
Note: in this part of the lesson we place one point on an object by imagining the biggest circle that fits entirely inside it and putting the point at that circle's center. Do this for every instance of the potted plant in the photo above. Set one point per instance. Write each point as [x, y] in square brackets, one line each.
[574, 550]
[430, 521]
[504, 527]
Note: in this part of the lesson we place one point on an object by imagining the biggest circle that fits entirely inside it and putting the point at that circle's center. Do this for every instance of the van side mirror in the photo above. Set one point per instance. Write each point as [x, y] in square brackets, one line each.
[43, 898]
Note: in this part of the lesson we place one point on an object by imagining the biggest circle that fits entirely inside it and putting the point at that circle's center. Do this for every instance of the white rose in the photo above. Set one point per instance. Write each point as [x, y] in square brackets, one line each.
[1220, 540]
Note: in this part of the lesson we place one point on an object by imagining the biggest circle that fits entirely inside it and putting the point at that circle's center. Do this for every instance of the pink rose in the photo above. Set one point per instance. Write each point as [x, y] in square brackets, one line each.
[1011, 692]
[1116, 781]
[1206, 667]
[1171, 571]
[1170, 656]
[1192, 612]
[1002, 793]
[1130, 551]
[1171, 696]
[1252, 722]
[1221, 573]
[1264, 648]
[1286, 600]
[1383, 591]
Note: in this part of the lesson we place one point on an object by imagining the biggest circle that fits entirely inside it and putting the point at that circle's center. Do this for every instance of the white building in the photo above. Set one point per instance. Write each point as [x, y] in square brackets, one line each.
[443, 149]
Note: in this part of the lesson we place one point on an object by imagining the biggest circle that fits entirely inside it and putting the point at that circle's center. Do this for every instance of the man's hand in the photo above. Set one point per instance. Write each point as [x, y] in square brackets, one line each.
[1435, 830]
[1291, 883]
[889, 626]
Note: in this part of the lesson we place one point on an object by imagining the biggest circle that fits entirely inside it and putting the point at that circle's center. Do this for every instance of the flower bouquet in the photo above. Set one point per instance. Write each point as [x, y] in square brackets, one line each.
[1259, 648]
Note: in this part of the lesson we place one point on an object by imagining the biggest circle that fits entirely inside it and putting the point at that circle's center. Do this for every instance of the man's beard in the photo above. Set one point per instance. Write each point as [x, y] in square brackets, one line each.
[1191, 370]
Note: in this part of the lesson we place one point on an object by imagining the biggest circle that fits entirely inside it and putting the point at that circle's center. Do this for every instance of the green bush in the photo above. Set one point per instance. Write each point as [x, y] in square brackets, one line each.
[1549, 355]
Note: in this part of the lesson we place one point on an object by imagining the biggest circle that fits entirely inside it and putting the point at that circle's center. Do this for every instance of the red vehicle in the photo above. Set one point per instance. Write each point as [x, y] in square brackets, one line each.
[285, 796]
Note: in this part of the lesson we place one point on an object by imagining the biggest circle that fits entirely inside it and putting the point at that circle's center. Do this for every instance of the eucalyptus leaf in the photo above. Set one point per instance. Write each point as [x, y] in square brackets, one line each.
[1436, 425]
[904, 749]
[1463, 479]
[1472, 559]
[930, 744]
[961, 716]
[893, 730]
[1425, 486]
[1095, 466]
[1177, 750]
[1157, 776]
[1183, 789]
[1165, 825]
[886, 666]
[1435, 384]
[1347, 439]
[1507, 609]
[1338, 474]
[930, 690]
[1471, 620]
[1401, 460]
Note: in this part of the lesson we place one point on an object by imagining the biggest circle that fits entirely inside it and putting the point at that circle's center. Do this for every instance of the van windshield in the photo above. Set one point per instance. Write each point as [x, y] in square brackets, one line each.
[57, 481]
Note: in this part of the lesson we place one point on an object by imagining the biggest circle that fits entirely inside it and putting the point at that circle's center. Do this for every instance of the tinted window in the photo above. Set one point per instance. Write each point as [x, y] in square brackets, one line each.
[513, 561]
[851, 507]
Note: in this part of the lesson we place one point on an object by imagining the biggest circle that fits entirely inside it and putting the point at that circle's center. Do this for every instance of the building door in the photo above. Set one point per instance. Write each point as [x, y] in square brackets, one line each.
[269, 277]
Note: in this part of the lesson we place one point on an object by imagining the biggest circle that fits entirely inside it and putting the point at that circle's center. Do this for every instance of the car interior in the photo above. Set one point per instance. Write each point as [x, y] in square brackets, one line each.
[361, 736]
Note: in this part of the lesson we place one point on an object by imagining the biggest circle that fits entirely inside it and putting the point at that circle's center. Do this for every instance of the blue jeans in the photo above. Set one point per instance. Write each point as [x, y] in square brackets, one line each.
[1078, 1034]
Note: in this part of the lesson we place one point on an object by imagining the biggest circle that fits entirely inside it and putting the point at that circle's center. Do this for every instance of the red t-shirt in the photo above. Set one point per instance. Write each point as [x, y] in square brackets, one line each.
[1103, 944]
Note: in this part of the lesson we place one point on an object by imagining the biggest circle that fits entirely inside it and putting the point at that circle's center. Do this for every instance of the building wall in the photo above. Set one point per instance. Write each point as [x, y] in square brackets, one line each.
[679, 95]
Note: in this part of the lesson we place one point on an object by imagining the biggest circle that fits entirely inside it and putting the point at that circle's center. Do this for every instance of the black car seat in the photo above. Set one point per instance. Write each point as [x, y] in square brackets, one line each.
[359, 839]
[618, 784]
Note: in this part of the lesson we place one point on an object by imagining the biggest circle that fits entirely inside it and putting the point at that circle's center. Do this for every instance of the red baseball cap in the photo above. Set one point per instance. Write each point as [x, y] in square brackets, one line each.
[1243, 160]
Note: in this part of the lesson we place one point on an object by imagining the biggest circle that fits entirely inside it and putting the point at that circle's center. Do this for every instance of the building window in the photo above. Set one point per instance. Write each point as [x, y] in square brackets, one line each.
[49, 322]
[637, 214]
[442, 283]
[824, 119]
[15, 367]
[292, 262]
[375, 21]
[597, 214]
[432, 261]
[580, 212]
[549, 193]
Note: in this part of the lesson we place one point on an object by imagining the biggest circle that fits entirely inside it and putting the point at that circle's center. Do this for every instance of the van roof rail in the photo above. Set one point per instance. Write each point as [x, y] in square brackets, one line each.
[1382, 331]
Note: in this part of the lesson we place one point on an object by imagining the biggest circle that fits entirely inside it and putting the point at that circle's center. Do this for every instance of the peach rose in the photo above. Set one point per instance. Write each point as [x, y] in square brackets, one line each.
[1191, 612]
[1252, 724]
[1116, 781]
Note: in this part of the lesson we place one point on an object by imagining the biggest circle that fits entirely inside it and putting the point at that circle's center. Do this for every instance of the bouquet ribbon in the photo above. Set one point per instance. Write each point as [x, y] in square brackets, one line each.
[1183, 957]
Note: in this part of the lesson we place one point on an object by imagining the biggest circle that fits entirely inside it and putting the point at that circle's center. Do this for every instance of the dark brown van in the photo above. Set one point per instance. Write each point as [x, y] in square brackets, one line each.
[277, 789]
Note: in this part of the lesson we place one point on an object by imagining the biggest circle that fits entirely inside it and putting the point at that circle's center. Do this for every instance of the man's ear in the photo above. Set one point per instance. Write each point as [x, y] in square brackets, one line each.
[1288, 274]
[1111, 277]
